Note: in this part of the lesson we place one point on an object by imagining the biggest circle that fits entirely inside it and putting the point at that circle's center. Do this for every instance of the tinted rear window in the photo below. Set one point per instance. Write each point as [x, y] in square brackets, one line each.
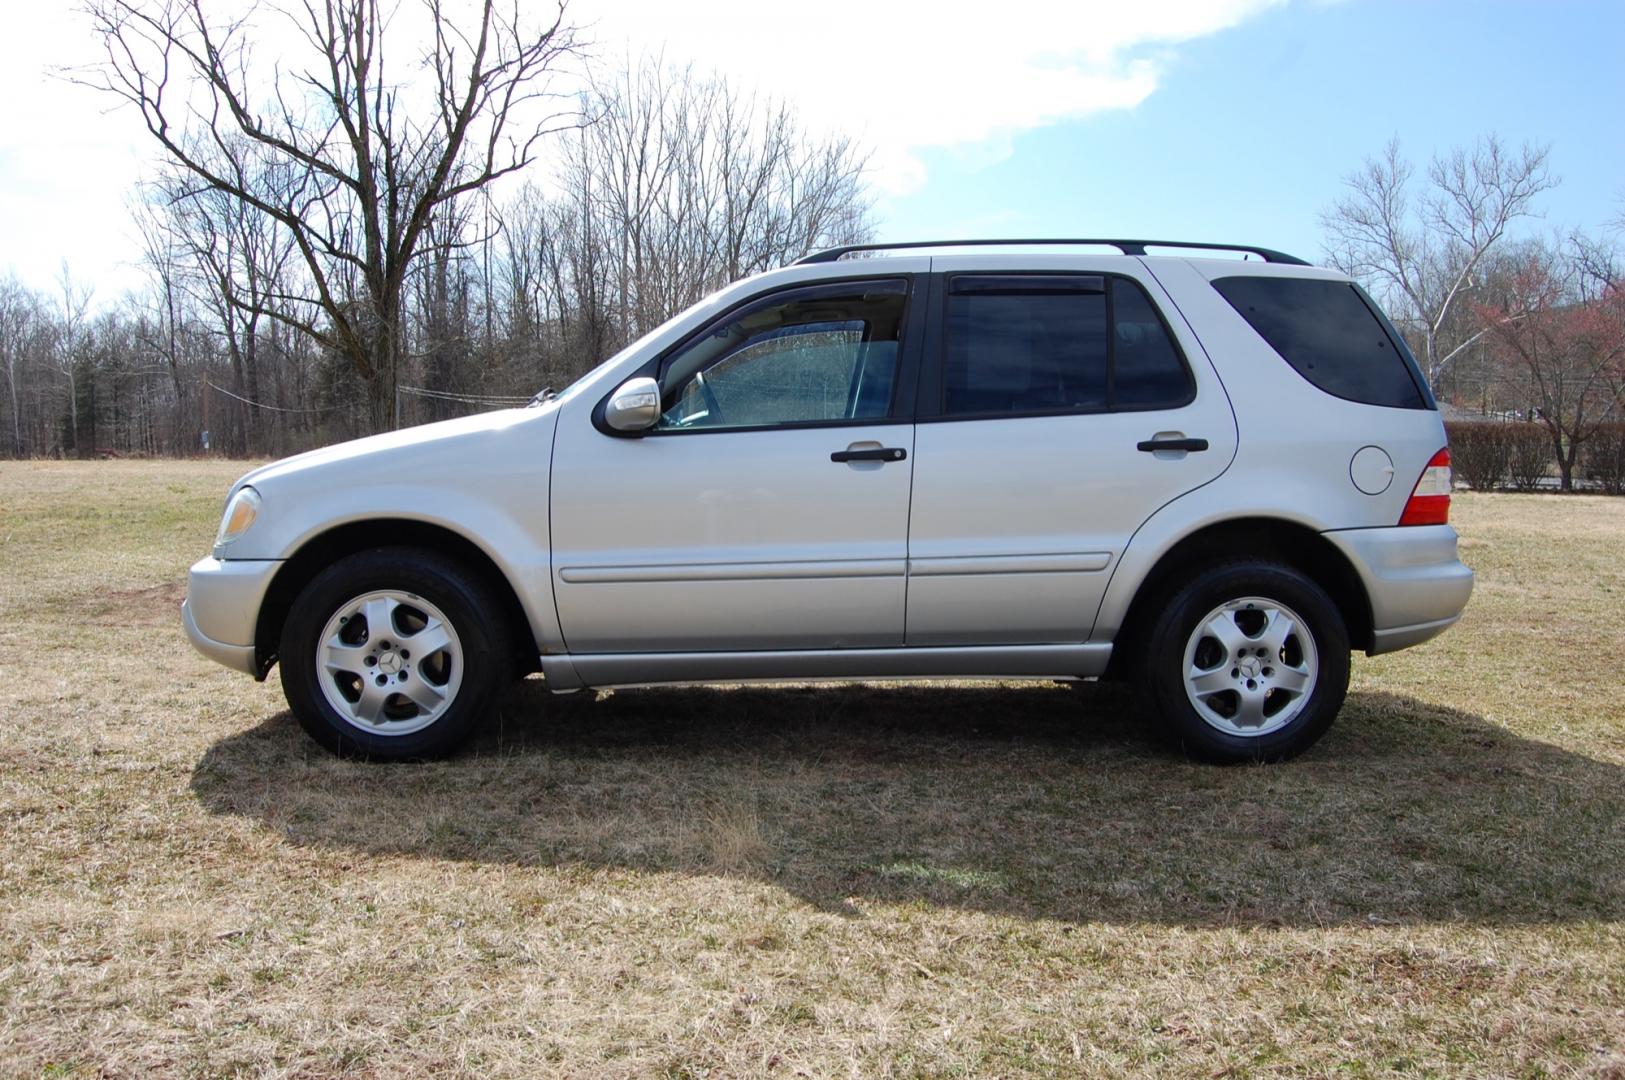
[1035, 344]
[1044, 352]
[1147, 369]
[1329, 335]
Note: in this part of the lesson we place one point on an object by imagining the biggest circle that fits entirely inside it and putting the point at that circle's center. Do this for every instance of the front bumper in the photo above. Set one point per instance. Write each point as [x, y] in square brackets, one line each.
[222, 606]
[1417, 585]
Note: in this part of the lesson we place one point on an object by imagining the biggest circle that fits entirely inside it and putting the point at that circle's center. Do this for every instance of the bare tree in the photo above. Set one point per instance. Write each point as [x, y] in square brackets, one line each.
[443, 305]
[682, 184]
[1598, 260]
[231, 258]
[1562, 336]
[73, 307]
[1420, 252]
[352, 163]
[18, 315]
[690, 185]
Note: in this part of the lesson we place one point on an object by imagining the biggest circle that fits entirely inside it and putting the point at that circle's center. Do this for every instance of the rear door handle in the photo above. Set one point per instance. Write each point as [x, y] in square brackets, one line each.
[878, 453]
[1152, 445]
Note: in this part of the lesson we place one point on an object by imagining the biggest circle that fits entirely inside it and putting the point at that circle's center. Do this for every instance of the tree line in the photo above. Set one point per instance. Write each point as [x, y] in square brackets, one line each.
[333, 249]
[334, 252]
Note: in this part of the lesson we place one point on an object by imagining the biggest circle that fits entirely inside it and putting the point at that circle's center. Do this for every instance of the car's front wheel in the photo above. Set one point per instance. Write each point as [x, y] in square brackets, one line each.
[1248, 662]
[394, 653]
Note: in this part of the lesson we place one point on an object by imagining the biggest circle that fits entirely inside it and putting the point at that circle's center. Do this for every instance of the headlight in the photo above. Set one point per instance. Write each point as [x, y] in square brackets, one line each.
[241, 511]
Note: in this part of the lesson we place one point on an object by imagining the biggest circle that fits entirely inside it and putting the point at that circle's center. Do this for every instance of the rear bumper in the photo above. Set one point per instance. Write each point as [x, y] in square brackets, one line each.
[222, 606]
[1417, 585]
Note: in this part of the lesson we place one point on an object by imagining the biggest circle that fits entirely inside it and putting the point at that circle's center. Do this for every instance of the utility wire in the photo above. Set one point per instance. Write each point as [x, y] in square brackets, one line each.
[469, 399]
[419, 391]
[262, 405]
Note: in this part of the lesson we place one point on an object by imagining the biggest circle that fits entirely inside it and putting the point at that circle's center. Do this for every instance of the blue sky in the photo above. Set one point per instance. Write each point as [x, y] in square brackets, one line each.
[1219, 120]
[1251, 129]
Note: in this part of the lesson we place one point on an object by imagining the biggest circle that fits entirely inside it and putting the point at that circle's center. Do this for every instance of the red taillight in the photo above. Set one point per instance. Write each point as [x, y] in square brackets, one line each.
[1430, 499]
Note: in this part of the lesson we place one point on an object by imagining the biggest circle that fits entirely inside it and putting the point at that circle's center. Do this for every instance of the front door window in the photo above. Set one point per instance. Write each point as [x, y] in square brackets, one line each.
[819, 355]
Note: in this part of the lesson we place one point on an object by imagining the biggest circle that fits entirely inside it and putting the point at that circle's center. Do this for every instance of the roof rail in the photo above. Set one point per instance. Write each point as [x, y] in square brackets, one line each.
[1127, 247]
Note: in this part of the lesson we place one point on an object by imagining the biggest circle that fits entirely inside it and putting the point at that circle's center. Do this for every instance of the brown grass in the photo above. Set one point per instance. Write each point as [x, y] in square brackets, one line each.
[876, 880]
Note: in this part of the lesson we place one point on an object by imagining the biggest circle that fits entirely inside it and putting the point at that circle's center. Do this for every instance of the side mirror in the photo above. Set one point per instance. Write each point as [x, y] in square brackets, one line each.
[634, 406]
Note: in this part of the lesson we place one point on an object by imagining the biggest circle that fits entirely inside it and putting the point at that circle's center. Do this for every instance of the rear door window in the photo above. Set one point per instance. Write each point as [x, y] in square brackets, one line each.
[1330, 335]
[1147, 371]
[1036, 344]
[1019, 351]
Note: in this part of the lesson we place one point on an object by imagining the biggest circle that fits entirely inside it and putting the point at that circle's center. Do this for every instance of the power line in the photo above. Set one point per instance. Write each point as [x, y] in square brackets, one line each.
[466, 399]
[262, 405]
[418, 391]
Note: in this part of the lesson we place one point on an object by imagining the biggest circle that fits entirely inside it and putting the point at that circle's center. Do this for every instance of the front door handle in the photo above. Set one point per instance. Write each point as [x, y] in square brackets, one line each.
[878, 453]
[1151, 446]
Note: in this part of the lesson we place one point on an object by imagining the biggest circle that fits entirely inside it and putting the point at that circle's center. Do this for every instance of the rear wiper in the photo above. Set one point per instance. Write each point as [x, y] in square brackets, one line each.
[545, 394]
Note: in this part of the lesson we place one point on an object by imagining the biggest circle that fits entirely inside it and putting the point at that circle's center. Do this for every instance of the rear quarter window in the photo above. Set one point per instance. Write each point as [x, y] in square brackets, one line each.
[1330, 335]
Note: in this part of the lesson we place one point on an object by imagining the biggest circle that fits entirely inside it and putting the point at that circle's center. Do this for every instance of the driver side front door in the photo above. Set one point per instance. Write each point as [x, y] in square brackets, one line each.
[768, 509]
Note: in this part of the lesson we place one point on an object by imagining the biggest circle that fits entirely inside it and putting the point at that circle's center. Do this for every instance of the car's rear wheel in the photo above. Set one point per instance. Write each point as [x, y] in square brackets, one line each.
[393, 654]
[1249, 661]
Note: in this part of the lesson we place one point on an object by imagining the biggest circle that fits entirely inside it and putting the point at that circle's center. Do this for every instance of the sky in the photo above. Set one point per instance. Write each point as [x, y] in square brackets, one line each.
[1203, 120]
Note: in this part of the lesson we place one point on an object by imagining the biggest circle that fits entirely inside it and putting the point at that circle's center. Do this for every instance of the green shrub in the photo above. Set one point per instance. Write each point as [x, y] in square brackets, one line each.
[1605, 458]
[1480, 452]
[1531, 455]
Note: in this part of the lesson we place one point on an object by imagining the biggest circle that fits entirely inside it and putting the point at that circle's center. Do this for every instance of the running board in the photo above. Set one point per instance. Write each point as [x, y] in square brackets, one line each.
[573, 672]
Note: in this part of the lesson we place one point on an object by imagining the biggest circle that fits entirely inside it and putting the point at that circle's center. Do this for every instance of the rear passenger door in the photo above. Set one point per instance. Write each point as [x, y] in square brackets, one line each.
[1062, 402]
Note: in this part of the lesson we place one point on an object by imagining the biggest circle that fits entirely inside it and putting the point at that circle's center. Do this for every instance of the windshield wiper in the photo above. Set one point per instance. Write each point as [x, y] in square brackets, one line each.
[545, 394]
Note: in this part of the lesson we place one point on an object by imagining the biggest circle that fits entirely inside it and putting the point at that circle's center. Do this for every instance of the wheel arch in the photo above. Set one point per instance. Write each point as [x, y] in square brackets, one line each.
[1277, 539]
[327, 547]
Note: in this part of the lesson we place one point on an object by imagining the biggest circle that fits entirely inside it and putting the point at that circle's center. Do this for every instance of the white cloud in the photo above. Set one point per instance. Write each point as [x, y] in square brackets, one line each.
[907, 77]
[904, 78]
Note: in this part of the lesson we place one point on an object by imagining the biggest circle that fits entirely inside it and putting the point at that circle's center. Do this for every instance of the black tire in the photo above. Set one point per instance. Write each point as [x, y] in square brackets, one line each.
[1163, 661]
[467, 603]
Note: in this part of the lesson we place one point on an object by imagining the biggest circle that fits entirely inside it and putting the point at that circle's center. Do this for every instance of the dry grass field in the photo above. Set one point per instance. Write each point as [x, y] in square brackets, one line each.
[878, 880]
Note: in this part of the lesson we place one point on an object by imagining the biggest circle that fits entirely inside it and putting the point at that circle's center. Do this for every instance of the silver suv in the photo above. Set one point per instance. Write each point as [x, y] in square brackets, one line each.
[1213, 476]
